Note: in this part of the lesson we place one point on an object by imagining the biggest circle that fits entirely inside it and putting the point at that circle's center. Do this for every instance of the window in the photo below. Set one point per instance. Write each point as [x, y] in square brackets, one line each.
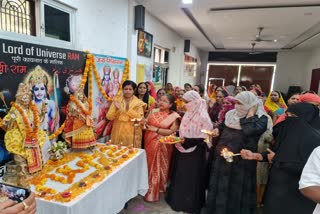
[47, 21]
[57, 23]
[17, 16]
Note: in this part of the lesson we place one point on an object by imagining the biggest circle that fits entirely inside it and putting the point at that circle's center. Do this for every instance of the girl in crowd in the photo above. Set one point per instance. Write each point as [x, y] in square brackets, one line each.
[294, 98]
[162, 123]
[176, 91]
[200, 89]
[121, 111]
[294, 143]
[161, 92]
[143, 94]
[215, 109]
[275, 105]
[180, 103]
[211, 90]
[151, 89]
[227, 105]
[232, 186]
[187, 87]
[169, 88]
[187, 187]
[237, 90]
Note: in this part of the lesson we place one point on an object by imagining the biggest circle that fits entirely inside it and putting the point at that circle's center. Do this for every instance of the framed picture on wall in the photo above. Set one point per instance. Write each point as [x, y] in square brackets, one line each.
[144, 44]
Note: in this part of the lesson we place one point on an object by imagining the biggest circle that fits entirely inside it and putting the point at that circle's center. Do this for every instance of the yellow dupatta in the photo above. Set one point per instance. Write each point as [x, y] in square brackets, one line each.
[272, 106]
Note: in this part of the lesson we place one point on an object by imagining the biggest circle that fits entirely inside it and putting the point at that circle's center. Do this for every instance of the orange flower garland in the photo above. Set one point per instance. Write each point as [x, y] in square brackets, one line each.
[1, 126]
[80, 105]
[125, 76]
[99, 84]
[30, 132]
[103, 169]
[57, 132]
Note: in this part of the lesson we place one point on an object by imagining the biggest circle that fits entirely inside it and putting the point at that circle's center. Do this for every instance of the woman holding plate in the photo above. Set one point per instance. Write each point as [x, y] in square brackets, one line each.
[187, 185]
[161, 123]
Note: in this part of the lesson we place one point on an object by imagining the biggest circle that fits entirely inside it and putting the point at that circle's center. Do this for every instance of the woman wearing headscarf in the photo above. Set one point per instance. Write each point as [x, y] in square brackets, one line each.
[275, 105]
[294, 143]
[187, 188]
[232, 186]
[228, 104]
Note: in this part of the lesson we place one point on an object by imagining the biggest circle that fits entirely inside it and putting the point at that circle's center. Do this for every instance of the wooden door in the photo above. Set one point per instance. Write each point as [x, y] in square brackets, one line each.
[315, 79]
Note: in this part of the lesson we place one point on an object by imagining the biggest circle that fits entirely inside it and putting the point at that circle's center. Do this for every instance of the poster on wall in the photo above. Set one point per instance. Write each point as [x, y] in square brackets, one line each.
[110, 69]
[190, 65]
[140, 73]
[144, 44]
[51, 73]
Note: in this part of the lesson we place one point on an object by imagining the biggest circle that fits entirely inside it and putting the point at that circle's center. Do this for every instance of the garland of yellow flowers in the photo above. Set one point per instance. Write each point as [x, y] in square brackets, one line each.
[33, 133]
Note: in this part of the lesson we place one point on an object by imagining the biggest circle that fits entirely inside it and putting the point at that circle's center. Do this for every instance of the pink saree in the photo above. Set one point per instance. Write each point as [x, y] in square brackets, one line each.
[158, 155]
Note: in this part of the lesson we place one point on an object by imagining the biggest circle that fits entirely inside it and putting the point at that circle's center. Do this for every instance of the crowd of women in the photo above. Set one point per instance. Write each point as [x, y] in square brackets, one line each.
[270, 141]
[239, 148]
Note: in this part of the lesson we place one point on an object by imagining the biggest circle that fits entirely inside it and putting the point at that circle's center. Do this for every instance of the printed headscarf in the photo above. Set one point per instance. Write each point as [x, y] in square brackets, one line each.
[195, 118]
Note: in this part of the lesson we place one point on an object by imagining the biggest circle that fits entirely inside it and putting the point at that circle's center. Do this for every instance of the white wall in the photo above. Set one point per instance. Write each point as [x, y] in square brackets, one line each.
[102, 26]
[313, 62]
[165, 38]
[291, 70]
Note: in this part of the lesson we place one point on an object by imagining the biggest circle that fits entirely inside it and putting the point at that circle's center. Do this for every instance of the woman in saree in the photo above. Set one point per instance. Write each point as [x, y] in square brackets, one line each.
[162, 123]
[122, 111]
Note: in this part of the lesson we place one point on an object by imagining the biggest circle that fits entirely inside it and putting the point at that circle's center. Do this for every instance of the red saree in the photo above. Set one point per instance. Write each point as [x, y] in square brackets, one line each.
[158, 155]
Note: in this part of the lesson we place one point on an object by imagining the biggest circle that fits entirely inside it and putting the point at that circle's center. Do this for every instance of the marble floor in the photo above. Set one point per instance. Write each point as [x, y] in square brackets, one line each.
[138, 206]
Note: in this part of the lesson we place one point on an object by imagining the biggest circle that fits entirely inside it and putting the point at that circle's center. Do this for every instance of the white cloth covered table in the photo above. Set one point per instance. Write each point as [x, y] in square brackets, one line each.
[109, 196]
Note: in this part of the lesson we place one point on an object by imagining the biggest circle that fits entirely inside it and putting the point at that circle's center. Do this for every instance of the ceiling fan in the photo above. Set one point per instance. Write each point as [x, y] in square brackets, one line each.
[253, 51]
[259, 37]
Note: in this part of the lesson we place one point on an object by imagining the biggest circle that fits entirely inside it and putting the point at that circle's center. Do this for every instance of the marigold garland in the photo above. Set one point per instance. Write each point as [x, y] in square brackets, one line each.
[1, 126]
[30, 132]
[125, 76]
[103, 169]
[80, 105]
[57, 132]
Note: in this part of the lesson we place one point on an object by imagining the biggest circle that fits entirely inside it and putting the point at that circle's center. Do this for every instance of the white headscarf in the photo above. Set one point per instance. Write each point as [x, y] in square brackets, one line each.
[248, 100]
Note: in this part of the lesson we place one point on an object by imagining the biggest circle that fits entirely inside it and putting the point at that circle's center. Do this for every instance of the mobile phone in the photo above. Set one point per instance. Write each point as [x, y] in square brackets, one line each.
[14, 193]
